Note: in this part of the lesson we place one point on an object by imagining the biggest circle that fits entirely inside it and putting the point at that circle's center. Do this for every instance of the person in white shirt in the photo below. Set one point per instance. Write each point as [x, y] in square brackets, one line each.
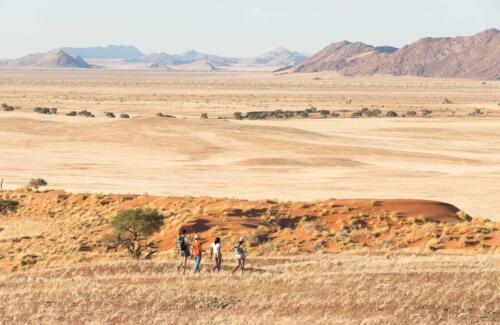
[216, 254]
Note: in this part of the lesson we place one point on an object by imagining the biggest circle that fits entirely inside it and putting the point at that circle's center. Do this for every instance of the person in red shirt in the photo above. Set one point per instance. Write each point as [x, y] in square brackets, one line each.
[197, 251]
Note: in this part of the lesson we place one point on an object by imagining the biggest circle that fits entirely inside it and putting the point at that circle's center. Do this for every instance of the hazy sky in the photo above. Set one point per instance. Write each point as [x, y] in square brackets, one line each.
[234, 27]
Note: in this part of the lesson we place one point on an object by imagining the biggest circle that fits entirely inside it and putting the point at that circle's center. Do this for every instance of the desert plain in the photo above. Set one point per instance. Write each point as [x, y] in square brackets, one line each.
[450, 157]
[331, 207]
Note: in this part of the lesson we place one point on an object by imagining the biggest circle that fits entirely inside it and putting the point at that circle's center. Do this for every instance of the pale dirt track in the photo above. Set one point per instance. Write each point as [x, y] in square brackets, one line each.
[450, 159]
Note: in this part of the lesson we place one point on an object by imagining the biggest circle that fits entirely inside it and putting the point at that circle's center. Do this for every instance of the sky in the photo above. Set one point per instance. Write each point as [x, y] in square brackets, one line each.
[237, 28]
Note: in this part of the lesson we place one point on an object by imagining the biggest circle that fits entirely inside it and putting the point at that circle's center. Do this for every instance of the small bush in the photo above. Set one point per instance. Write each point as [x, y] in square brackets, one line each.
[85, 113]
[204, 115]
[72, 113]
[238, 115]
[110, 114]
[124, 115]
[8, 206]
[411, 113]
[36, 183]
[426, 112]
[433, 244]
[391, 114]
[463, 216]
[7, 108]
[164, 115]
[42, 110]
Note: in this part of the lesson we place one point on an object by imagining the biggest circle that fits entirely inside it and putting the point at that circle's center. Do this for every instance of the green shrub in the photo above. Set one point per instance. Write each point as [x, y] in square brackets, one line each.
[36, 183]
[8, 206]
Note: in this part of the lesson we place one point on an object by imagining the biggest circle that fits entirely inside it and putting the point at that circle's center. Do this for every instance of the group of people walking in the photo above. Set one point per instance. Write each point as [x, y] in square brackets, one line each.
[186, 249]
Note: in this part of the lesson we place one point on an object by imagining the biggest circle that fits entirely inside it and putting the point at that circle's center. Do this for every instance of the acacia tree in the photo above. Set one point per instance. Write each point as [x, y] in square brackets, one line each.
[132, 227]
[36, 183]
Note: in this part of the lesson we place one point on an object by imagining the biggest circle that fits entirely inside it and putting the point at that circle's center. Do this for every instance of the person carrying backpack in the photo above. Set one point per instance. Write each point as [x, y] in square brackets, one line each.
[197, 251]
[240, 253]
[182, 245]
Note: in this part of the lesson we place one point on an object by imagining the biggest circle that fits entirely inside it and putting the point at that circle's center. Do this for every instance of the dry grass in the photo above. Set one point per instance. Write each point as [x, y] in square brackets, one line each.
[322, 289]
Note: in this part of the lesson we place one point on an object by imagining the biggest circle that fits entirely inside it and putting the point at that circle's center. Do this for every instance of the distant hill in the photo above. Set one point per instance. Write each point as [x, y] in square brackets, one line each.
[127, 52]
[201, 65]
[163, 59]
[53, 59]
[280, 57]
[476, 57]
[337, 56]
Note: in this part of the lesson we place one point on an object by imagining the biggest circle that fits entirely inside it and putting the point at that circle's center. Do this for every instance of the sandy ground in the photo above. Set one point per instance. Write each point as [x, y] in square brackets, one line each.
[456, 160]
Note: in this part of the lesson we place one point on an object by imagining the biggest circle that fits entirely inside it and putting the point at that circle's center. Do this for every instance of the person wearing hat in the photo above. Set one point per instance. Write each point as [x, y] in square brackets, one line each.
[197, 251]
[240, 253]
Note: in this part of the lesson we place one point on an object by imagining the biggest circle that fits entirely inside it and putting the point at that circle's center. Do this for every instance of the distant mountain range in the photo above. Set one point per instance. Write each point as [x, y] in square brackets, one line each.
[109, 52]
[475, 57]
[72, 57]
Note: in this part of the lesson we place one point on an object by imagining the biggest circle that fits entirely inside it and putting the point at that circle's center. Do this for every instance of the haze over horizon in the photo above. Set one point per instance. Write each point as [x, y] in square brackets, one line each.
[231, 29]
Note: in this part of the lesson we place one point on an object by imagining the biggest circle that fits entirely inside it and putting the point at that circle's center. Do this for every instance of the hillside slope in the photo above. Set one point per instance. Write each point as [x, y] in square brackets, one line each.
[53, 59]
[475, 57]
[55, 227]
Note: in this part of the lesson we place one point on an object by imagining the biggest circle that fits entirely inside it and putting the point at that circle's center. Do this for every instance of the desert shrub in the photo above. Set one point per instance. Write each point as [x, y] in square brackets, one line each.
[85, 113]
[433, 245]
[132, 227]
[447, 101]
[426, 112]
[7, 108]
[124, 115]
[36, 183]
[110, 114]
[376, 112]
[53, 110]
[391, 114]
[462, 215]
[411, 113]
[8, 206]
[164, 115]
[42, 110]
[72, 113]
[311, 109]
[238, 115]
[356, 114]
[204, 115]
[476, 112]
[324, 113]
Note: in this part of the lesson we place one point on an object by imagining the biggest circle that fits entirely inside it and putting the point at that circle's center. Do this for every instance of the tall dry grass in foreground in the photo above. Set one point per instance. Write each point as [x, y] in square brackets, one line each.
[323, 289]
